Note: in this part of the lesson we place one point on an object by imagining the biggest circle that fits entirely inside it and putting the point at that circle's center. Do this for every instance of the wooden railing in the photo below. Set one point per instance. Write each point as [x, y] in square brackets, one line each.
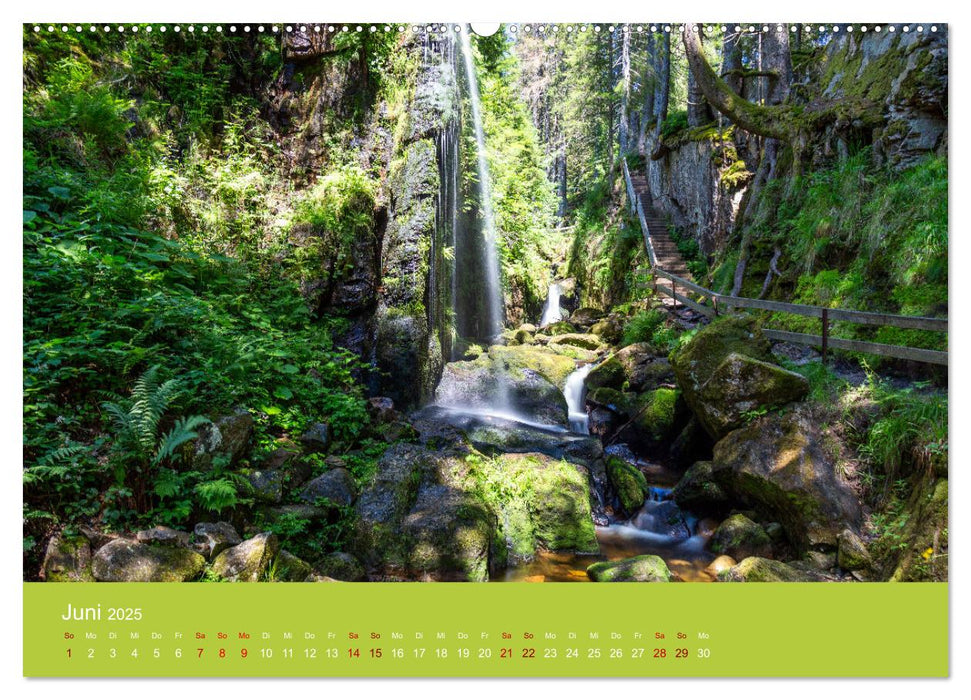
[720, 303]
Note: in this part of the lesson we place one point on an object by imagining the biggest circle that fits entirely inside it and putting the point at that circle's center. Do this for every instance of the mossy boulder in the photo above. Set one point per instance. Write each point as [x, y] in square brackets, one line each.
[248, 561]
[526, 379]
[68, 559]
[226, 438]
[449, 535]
[645, 568]
[628, 483]
[586, 316]
[289, 567]
[740, 538]
[646, 419]
[610, 330]
[267, 485]
[340, 566]
[726, 372]
[852, 554]
[635, 368]
[558, 328]
[586, 341]
[761, 570]
[784, 468]
[127, 561]
[698, 491]
[212, 538]
[336, 487]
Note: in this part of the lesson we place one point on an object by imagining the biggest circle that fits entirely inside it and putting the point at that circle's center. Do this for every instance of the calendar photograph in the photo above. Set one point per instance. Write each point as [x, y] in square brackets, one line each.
[530, 303]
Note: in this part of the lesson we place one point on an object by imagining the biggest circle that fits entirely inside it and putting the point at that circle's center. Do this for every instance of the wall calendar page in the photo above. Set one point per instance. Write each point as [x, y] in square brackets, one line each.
[530, 349]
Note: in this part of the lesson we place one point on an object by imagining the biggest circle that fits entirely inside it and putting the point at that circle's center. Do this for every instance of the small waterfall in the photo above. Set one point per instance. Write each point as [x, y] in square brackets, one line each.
[551, 311]
[490, 263]
[575, 393]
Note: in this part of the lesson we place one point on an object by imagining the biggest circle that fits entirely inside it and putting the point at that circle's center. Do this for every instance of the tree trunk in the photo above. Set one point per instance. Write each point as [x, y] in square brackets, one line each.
[699, 112]
[648, 88]
[625, 88]
[732, 58]
[754, 118]
[663, 93]
[776, 59]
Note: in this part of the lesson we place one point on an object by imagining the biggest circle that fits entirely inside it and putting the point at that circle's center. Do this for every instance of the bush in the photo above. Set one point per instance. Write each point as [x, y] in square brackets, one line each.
[642, 327]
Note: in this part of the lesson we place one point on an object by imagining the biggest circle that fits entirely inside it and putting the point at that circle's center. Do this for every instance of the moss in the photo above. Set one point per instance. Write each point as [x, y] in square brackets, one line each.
[644, 568]
[629, 484]
[655, 411]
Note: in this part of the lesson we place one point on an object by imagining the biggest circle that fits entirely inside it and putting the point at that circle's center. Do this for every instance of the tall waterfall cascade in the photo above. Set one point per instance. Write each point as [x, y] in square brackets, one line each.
[551, 310]
[576, 393]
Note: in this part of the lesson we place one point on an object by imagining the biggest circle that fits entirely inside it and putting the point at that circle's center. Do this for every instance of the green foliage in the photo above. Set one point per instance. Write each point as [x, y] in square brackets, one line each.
[911, 434]
[675, 122]
[642, 327]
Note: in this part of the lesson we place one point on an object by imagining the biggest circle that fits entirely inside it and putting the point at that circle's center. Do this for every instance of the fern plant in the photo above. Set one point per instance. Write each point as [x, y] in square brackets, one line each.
[139, 448]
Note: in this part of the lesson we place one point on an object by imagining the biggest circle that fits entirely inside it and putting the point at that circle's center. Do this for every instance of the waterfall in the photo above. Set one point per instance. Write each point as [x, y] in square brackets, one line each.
[490, 262]
[551, 311]
[575, 393]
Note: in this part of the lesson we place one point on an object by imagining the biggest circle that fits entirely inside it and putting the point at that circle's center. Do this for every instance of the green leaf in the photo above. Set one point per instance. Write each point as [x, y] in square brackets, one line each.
[61, 193]
[283, 392]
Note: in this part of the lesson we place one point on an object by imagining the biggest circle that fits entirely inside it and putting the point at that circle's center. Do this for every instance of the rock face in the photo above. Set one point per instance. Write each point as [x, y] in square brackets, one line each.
[68, 559]
[316, 438]
[740, 538]
[634, 368]
[725, 372]
[336, 486]
[645, 568]
[124, 561]
[780, 466]
[247, 561]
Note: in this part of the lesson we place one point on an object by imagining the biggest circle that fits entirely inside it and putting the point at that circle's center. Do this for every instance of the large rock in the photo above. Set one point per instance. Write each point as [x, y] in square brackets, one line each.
[634, 368]
[587, 341]
[341, 567]
[226, 439]
[759, 570]
[852, 554]
[450, 535]
[781, 466]
[267, 484]
[68, 559]
[740, 538]
[645, 421]
[726, 372]
[316, 438]
[213, 538]
[336, 487]
[645, 568]
[247, 561]
[628, 483]
[521, 379]
[662, 518]
[161, 534]
[698, 491]
[290, 567]
[125, 561]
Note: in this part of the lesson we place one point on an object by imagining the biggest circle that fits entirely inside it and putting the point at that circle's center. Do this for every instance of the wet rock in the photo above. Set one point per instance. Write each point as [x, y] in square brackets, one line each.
[68, 559]
[852, 553]
[336, 487]
[780, 466]
[628, 483]
[636, 367]
[610, 330]
[644, 420]
[213, 538]
[267, 485]
[558, 328]
[397, 430]
[758, 570]
[662, 518]
[226, 438]
[645, 568]
[691, 445]
[740, 538]
[341, 566]
[698, 491]
[125, 561]
[381, 409]
[525, 378]
[247, 561]
[720, 564]
[316, 438]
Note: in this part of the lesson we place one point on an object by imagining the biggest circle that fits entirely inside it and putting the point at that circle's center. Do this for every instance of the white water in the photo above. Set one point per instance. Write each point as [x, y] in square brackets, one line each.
[493, 290]
[575, 393]
[551, 311]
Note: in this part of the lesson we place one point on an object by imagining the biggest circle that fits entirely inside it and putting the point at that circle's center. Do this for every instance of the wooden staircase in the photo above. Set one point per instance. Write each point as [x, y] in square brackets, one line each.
[665, 249]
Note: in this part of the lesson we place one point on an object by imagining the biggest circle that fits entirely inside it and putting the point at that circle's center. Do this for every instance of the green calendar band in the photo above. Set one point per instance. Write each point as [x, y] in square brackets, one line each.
[432, 630]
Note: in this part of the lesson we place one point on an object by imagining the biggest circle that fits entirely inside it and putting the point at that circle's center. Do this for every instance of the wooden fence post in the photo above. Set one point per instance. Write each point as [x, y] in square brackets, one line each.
[825, 332]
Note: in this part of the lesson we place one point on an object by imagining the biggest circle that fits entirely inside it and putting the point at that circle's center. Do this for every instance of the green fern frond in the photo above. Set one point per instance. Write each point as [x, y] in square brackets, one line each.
[181, 432]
